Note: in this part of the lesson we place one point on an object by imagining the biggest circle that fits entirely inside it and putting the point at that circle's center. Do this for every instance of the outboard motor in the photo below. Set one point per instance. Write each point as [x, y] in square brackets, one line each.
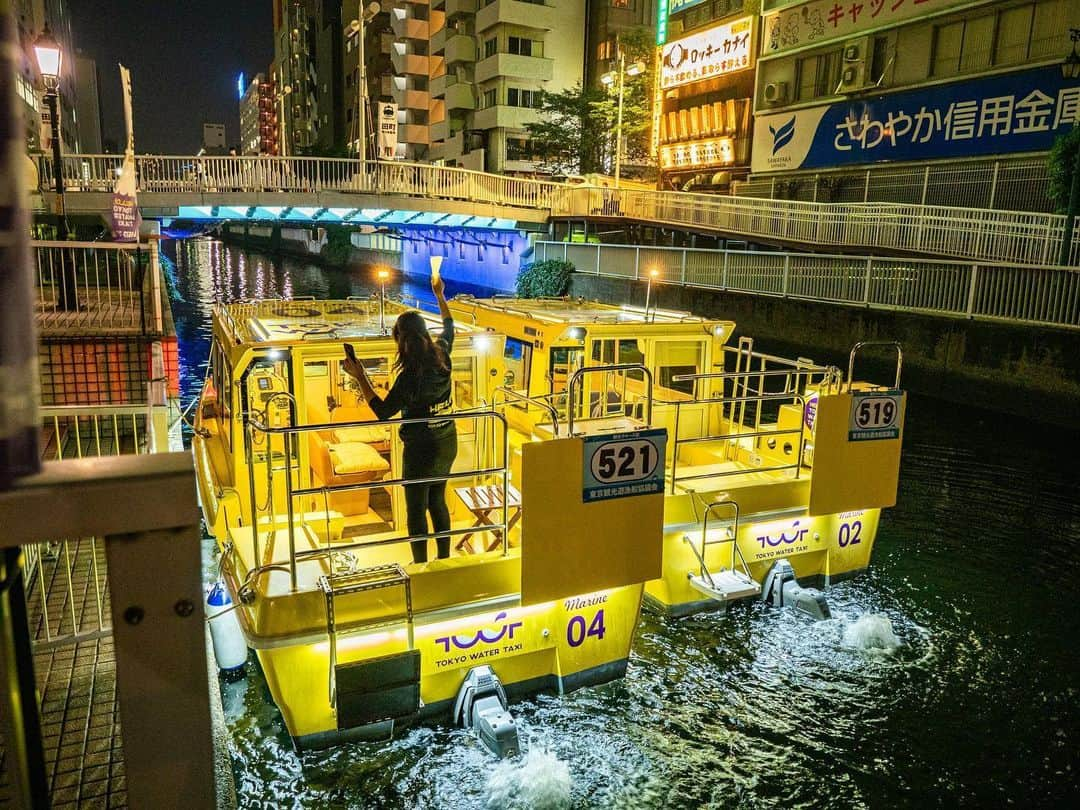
[781, 588]
[481, 705]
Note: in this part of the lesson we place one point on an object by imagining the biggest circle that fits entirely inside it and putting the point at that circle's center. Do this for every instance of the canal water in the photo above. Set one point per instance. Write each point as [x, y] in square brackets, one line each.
[949, 675]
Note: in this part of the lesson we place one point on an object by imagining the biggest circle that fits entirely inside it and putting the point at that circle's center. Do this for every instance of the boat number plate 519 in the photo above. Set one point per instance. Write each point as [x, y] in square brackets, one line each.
[875, 415]
[620, 465]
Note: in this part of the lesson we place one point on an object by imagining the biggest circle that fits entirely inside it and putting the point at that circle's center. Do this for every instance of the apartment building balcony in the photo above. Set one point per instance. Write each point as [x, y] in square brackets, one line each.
[457, 8]
[504, 117]
[437, 85]
[460, 96]
[408, 64]
[460, 48]
[520, 67]
[439, 131]
[516, 12]
[414, 134]
[406, 27]
[410, 99]
[437, 41]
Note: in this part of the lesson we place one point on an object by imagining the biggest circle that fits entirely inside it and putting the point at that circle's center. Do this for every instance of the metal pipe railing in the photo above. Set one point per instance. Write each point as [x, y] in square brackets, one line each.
[581, 372]
[539, 401]
[290, 432]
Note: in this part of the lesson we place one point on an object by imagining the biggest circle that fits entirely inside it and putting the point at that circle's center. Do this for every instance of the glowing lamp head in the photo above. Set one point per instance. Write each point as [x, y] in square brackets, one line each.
[654, 274]
[608, 79]
[383, 275]
[576, 333]
[50, 58]
[635, 69]
[481, 343]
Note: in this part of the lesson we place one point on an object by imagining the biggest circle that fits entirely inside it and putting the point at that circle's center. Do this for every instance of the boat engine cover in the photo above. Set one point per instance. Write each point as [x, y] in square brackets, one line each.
[782, 588]
[482, 706]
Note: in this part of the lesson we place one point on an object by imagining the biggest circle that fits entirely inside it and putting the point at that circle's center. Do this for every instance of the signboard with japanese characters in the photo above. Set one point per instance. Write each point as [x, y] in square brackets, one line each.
[1018, 112]
[823, 20]
[715, 52]
[388, 130]
[675, 6]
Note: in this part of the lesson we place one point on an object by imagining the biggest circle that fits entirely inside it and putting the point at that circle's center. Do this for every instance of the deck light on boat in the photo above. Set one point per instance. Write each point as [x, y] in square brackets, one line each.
[481, 343]
[275, 354]
[575, 333]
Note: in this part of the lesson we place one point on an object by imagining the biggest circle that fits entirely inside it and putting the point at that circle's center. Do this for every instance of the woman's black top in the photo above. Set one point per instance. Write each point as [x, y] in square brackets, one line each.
[420, 394]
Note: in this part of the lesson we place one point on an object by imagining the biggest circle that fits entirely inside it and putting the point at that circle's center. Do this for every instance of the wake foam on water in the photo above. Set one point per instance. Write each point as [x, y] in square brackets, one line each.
[537, 781]
[872, 632]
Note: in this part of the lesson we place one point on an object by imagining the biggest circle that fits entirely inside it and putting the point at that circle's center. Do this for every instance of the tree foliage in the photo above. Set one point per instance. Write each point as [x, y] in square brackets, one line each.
[569, 138]
[576, 132]
[1061, 165]
[546, 279]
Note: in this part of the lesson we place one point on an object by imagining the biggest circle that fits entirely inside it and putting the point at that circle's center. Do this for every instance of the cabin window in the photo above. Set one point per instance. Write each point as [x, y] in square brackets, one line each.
[463, 376]
[564, 361]
[517, 357]
[609, 352]
[677, 358]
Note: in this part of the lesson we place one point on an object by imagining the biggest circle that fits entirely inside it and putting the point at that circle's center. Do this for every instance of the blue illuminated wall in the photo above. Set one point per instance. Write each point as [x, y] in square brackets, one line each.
[478, 258]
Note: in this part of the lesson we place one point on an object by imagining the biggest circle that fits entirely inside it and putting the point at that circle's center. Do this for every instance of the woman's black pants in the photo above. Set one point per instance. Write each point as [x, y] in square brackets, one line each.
[426, 455]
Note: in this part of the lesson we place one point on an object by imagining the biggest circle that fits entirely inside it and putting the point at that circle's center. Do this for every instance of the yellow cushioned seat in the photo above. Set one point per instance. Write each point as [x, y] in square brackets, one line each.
[368, 435]
[348, 458]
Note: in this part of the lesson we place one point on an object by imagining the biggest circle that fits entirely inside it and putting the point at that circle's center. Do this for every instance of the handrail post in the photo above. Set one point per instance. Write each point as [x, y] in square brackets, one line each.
[971, 290]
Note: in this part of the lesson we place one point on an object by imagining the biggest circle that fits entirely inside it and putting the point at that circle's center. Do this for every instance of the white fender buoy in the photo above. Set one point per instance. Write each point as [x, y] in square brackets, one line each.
[230, 649]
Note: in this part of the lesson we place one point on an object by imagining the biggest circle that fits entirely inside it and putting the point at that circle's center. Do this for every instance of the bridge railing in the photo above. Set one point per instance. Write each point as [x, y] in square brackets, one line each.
[257, 174]
[972, 233]
[980, 291]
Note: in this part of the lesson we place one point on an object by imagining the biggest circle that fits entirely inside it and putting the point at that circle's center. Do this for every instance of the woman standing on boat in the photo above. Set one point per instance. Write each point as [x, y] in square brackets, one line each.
[422, 389]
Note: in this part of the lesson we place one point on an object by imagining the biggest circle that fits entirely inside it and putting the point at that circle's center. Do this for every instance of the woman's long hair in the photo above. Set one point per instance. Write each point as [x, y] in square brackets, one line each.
[417, 352]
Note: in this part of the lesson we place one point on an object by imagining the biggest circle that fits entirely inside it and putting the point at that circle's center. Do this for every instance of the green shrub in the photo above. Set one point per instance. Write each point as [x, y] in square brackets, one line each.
[338, 246]
[546, 279]
[1061, 163]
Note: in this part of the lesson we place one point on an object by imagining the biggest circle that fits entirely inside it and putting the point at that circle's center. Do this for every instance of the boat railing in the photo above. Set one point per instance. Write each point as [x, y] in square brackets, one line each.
[875, 343]
[289, 435]
[541, 401]
[578, 375]
[733, 538]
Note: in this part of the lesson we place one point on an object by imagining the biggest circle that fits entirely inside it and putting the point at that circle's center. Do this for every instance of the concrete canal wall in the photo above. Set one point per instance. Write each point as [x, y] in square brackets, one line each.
[1023, 370]
[309, 244]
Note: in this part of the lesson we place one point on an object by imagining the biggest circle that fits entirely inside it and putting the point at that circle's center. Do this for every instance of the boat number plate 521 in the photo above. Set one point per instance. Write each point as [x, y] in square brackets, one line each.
[619, 465]
[875, 415]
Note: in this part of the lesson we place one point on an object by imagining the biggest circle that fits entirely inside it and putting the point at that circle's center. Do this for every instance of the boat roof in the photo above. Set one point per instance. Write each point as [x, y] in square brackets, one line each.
[301, 320]
[573, 311]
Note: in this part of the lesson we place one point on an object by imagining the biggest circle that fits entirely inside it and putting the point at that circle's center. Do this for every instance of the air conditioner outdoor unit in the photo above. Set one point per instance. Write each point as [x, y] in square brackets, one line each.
[852, 53]
[776, 92]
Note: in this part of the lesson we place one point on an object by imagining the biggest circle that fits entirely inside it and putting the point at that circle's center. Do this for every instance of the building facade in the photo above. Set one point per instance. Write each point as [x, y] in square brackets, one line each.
[258, 118]
[861, 92]
[88, 105]
[490, 61]
[705, 90]
[607, 21]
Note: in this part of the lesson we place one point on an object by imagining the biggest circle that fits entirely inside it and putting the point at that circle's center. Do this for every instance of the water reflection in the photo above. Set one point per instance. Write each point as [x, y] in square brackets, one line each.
[976, 572]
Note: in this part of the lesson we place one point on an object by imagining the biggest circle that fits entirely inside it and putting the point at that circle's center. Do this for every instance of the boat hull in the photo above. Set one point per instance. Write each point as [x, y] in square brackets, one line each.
[556, 646]
[822, 550]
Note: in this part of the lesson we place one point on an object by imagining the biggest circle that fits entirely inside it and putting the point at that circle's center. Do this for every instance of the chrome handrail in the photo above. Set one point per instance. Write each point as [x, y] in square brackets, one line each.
[510, 393]
[581, 372]
[855, 349]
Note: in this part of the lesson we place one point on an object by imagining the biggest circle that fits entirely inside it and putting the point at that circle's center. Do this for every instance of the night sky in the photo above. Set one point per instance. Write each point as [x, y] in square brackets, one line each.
[184, 58]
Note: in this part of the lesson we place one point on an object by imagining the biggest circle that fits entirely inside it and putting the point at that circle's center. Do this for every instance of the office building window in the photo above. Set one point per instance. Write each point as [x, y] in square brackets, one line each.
[818, 75]
[488, 98]
[521, 46]
[491, 47]
[516, 97]
[519, 149]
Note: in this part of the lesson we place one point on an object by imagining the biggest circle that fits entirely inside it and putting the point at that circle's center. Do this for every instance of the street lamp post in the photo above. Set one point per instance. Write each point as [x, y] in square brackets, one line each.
[1070, 69]
[620, 76]
[653, 275]
[50, 59]
[383, 275]
[357, 25]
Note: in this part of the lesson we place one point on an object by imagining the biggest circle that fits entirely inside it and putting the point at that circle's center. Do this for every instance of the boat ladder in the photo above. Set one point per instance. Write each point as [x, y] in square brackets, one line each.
[730, 583]
[335, 587]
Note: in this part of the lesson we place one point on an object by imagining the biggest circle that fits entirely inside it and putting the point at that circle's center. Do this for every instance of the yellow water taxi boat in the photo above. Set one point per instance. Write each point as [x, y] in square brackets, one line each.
[302, 489]
[776, 469]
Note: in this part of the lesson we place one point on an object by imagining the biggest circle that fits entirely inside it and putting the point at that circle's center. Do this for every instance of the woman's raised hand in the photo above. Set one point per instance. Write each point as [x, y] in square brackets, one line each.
[438, 286]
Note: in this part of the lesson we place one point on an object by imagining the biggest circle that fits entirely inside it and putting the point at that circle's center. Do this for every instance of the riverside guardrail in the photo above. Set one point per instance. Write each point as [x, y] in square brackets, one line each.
[970, 233]
[980, 291]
